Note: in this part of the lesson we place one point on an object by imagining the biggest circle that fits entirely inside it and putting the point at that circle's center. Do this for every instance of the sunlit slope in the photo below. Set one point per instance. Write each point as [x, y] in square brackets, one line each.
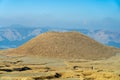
[65, 45]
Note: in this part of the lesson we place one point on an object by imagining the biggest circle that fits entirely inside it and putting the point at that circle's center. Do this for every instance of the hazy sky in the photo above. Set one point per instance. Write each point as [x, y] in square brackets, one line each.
[95, 14]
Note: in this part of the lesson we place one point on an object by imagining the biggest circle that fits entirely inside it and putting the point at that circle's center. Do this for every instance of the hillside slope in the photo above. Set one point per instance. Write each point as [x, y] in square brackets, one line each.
[65, 45]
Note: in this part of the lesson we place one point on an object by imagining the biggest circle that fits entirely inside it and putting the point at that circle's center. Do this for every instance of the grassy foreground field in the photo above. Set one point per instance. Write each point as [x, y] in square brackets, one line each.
[41, 68]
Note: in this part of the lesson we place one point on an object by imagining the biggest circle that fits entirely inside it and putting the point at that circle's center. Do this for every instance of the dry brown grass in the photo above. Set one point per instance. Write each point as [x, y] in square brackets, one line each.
[64, 45]
[106, 69]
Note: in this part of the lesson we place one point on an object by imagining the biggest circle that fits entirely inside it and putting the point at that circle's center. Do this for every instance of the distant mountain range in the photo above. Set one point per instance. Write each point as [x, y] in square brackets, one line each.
[16, 35]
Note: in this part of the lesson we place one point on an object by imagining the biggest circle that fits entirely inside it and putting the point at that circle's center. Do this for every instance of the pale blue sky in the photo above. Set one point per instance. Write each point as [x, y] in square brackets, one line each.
[95, 14]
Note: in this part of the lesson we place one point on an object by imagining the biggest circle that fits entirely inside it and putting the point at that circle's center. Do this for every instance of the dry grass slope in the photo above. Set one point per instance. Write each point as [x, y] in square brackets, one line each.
[65, 45]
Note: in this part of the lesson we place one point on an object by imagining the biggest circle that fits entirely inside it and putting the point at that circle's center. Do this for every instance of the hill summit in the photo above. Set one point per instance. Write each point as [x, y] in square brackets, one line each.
[65, 45]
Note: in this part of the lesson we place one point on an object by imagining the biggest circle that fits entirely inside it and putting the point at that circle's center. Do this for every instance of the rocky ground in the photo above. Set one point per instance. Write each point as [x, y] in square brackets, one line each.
[41, 68]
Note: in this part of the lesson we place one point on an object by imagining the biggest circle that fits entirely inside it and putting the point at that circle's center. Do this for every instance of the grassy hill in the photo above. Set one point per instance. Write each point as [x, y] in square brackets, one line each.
[64, 45]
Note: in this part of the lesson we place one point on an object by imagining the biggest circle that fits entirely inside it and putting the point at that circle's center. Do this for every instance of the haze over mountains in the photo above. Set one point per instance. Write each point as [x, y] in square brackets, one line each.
[16, 35]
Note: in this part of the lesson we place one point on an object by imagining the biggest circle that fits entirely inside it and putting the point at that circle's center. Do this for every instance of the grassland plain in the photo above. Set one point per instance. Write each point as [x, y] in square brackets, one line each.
[60, 56]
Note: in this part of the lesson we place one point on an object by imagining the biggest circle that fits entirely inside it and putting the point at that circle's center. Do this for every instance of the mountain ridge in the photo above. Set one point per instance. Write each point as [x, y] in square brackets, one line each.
[11, 36]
